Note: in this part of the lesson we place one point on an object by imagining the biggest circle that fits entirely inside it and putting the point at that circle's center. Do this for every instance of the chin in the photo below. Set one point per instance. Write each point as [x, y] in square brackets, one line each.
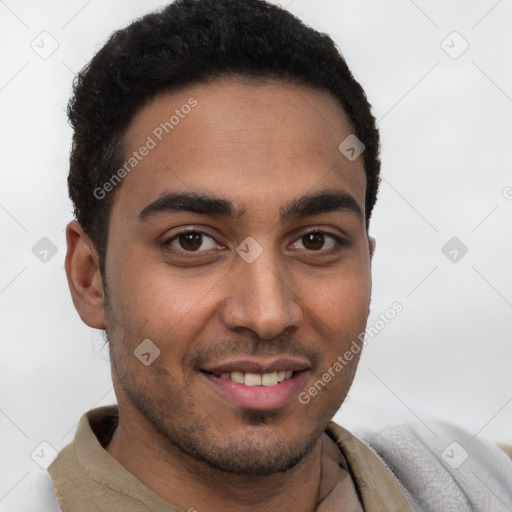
[253, 455]
[258, 446]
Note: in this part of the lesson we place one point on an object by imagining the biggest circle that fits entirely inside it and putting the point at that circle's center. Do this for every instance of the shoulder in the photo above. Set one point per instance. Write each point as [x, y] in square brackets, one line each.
[442, 467]
[33, 493]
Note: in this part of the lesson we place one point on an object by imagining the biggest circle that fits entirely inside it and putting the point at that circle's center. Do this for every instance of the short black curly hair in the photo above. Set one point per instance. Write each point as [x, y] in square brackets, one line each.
[186, 43]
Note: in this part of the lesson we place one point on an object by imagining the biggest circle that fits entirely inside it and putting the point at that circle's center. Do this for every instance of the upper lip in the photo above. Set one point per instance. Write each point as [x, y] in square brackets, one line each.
[258, 365]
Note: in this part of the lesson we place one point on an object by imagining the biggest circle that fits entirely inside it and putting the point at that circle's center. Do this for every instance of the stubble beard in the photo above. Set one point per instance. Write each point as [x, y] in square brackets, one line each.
[191, 434]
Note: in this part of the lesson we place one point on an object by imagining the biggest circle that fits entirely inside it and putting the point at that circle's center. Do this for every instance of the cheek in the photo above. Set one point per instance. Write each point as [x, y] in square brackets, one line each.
[158, 304]
[340, 301]
[338, 315]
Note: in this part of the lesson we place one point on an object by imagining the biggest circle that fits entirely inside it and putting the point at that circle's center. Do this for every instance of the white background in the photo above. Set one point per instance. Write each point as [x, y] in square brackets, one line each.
[446, 129]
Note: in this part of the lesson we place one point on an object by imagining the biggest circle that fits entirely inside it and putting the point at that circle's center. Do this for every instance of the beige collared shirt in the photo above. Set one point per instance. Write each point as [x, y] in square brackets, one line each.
[86, 478]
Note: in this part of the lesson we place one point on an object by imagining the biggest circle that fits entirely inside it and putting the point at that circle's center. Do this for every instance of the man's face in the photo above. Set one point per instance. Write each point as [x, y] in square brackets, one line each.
[258, 161]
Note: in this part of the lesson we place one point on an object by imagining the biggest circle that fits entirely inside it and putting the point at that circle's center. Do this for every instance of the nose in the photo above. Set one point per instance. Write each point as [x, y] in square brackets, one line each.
[261, 298]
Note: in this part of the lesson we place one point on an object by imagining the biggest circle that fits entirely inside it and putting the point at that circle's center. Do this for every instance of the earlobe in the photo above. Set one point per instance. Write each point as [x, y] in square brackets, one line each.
[84, 277]
[371, 244]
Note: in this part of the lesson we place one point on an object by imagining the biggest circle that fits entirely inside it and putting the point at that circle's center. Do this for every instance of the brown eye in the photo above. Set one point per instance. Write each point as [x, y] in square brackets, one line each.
[190, 241]
[317, 241]
[313, 241]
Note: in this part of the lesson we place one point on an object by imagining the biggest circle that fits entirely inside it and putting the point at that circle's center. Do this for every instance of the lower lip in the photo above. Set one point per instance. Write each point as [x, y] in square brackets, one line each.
[258, 397]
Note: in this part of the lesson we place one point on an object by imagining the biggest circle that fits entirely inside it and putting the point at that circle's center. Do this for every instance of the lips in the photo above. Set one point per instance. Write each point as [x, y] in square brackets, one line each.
[259, 366]
[258, 384]
[252, 372]
[257, 379]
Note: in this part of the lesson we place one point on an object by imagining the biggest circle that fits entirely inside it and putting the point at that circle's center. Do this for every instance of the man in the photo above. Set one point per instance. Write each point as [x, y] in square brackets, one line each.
[224, 168]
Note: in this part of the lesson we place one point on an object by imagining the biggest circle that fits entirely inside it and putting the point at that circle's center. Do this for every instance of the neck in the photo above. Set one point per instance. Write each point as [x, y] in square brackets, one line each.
[194, 486]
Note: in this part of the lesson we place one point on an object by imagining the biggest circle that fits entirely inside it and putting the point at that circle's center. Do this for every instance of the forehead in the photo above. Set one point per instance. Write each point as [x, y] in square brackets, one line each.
[258, 144]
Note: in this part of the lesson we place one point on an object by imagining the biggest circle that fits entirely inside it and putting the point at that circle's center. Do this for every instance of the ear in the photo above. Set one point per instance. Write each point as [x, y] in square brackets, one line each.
[84, 278]
[371, 244]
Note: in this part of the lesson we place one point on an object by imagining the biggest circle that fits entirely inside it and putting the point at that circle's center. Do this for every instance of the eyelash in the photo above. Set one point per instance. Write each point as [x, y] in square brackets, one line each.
[340, 242]
[167, 243]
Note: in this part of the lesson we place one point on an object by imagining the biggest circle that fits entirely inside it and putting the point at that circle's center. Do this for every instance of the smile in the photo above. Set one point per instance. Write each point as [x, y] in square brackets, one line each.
[257, 379]
[257, 391]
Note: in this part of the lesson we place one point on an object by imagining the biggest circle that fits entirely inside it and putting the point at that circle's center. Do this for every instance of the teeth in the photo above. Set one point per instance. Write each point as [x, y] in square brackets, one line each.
[237, 377]
[258, 379]
[252, 379]
[269, 379]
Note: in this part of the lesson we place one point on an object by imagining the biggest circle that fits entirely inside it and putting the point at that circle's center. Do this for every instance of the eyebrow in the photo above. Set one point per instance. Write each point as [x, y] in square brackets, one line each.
[324, 201]
[193, 202]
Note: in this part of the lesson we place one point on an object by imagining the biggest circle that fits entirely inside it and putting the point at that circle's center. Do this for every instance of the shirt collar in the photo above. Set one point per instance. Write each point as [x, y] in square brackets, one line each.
[373, 482]
[379, 490]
